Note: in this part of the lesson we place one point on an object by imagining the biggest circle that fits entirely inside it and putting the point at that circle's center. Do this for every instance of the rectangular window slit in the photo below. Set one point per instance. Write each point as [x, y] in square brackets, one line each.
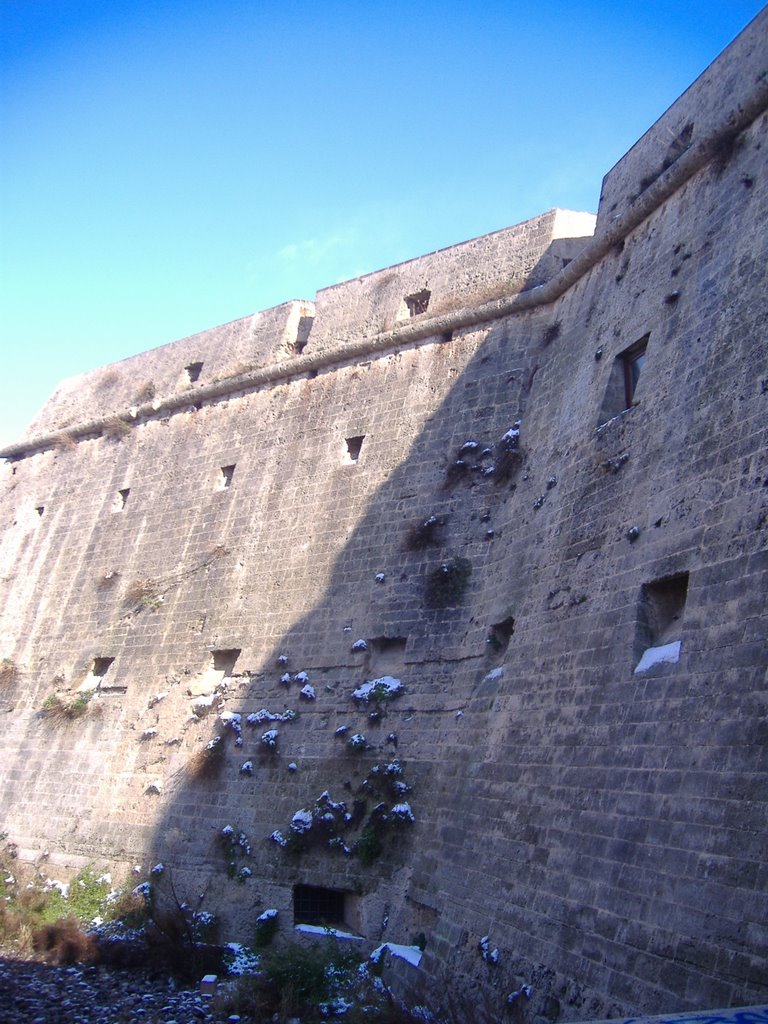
[623, 380]
[354, 446]
[659, 621]
[313, 904]
[227, 472]
[224, 661]
[302, 334]
[122, 497]
[500, 634]
[386, 656]
[418, 302]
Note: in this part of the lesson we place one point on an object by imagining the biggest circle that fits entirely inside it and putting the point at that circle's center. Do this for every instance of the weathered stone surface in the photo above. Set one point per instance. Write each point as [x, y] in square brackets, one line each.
[606, 830]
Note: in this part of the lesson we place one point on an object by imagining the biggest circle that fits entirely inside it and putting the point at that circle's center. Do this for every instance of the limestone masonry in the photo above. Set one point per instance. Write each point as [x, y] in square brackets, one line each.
[523, 483]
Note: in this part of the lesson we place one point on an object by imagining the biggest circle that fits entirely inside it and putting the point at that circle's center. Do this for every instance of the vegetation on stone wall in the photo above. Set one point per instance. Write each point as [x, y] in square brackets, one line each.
[145, 392]
[446, 584]
[314, 982]
[115, 428]
[9, 672]
[360, 828]
[86, 920]
[142, 592]
[235, 846]
[59, 707]
[207, 763]
[425, 533]
[266, 928]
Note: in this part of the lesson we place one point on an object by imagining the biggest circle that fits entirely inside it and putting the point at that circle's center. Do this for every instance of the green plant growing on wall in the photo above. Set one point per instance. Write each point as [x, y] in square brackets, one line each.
[57, 708]
[447, 583]
[330, 824]
[142, 593]
[508, 456]
[133, 907]
[235, 845]
[370, 845]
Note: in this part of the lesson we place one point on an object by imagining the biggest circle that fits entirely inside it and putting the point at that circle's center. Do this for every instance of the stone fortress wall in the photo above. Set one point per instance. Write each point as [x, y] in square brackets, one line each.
[439, 459]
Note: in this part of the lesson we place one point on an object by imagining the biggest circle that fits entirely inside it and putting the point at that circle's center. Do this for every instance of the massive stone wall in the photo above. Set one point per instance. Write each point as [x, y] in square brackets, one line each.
[253, 501]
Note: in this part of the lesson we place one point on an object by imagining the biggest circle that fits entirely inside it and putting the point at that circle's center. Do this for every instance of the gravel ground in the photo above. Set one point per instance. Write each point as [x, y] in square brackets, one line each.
[37, 993]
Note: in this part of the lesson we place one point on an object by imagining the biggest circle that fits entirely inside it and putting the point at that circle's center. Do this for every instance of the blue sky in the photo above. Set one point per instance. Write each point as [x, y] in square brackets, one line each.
[170, 165]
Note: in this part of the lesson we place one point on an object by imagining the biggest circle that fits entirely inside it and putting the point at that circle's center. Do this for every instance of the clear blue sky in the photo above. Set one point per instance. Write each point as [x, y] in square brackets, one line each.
[169, 165]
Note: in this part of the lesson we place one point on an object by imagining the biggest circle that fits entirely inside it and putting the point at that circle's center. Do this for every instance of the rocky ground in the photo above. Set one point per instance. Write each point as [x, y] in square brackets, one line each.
[37, 993]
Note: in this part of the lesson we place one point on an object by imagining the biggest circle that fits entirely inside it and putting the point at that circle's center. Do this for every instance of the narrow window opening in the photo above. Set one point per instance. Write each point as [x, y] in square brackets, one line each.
[193, 371]
[40, 509]
[659, 621]
[623, 380]
[224, 661]
[386, 656]
[632, 363]
[220, 668]
[679, 145]
[313, 904]
[100, 667]
[120, 499]
[354, 446]
[500, 634]
[418, 302]
[227, 472]
[94, 679]
[302, 334]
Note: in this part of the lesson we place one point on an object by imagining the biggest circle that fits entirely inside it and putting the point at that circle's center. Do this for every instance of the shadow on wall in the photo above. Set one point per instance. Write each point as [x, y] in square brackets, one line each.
[420, 599]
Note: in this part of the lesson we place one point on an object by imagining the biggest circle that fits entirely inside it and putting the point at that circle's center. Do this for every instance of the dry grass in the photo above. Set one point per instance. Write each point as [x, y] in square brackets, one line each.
[108, 378]
[64, 942]
[145, 392]
[9, 672]
[15, 929]
[143, 590]
[64, 443]
[207, 763]
[115, 428]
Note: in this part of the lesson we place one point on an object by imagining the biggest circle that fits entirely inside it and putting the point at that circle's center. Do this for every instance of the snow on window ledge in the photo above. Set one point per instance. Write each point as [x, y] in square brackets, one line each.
[411, 954]
[668, 653]
[317, 929]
